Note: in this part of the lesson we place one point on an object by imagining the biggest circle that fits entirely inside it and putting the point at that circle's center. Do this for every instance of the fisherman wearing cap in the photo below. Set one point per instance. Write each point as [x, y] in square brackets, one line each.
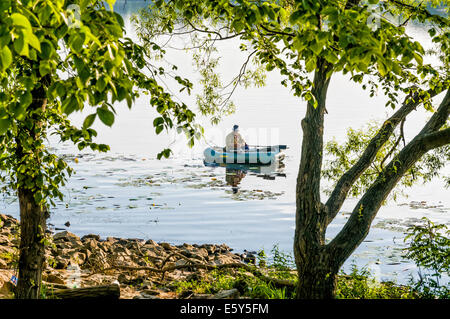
[234, 141]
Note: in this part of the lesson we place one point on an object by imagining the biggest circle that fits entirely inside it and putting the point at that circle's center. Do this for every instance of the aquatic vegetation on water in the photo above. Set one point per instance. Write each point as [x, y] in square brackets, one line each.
[244, 194]
[423, 205]
[204, 180]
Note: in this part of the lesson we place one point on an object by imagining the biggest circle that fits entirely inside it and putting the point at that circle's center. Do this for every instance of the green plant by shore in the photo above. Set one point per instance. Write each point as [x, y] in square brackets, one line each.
[359, 283]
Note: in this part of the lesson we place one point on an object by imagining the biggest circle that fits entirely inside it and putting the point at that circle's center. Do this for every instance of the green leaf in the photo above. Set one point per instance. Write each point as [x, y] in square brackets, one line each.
[46, 49]
[44, 68]
[418, 58]
[158, 121]
[310, 64]
[381, 68]
[295, 16]
[238, 25]
[69, 105]
[331, 57]
[159, 129]
[26, 99]
[77, 41]
[106, 116]
[316, 47]
[20, 46]
[299, 43]
[5, 57]
[101, 84]
[20, 20]
[165, 153]
[89, 120]
[34, 41]
[5, 4]
[4, 125]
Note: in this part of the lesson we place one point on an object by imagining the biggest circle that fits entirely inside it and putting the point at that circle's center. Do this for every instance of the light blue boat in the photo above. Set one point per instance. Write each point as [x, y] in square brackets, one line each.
[259, 155]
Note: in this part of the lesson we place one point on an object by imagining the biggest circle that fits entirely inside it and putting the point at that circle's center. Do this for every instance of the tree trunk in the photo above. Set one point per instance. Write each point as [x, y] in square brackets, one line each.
[31, 260]
[103, 292]
[316, 278]
[33, 215]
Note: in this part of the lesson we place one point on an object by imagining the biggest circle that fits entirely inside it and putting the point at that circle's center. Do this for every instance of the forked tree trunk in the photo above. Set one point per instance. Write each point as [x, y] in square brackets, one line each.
[317, 262]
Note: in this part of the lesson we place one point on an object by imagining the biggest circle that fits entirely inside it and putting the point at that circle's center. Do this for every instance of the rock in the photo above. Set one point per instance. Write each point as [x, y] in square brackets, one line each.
[225, 248]
[6, 287]
[151, 242]
[123, 279]
[227, 294]
[67, 224]
[61, 263]
[223, 259]
[7, 221]
[133, 246]
[202, 252]
[91, 236]
[87, 252]
[54, 279]
[180, 262]
[98, 259]
[122, 250]
[153, 292]
[3, 264]
[166, 246]
[209, 248]
[146, 284]
[105, 245]
[65, 236]
[91, 244]
[132, 280]
[187, 246]
[77, 257]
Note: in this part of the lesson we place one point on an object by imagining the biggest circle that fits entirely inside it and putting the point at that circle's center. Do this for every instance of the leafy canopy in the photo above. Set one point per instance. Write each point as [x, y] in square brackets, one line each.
[58, 57]
[366, 39]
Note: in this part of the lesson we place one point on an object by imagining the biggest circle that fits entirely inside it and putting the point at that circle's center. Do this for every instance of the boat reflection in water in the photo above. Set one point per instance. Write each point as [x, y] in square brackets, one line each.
[235, 173]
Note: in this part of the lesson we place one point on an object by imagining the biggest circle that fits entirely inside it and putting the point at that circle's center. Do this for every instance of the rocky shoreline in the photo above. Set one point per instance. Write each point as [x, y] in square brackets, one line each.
[135, 265]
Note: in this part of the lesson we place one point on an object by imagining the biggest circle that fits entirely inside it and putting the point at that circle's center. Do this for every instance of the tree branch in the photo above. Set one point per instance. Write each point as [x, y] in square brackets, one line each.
[358, 225]
[273, 32]
[343, 186]
[436, 139]
[219, 36]
[440, 117]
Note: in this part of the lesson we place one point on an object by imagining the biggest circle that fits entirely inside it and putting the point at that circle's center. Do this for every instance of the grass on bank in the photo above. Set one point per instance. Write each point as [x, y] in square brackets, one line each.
[358, 284]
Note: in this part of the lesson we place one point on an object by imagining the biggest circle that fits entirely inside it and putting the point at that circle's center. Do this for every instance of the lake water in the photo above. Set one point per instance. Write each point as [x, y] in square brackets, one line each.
[128, 193]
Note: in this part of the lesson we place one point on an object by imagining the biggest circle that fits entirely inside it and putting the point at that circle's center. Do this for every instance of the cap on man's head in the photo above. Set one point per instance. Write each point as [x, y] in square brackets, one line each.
[235, 127]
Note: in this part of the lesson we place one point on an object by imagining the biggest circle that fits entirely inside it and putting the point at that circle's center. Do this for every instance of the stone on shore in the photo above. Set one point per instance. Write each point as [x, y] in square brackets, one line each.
[90, 261]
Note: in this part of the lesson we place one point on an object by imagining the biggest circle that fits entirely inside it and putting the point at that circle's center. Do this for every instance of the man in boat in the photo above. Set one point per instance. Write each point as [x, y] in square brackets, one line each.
[234, 141]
